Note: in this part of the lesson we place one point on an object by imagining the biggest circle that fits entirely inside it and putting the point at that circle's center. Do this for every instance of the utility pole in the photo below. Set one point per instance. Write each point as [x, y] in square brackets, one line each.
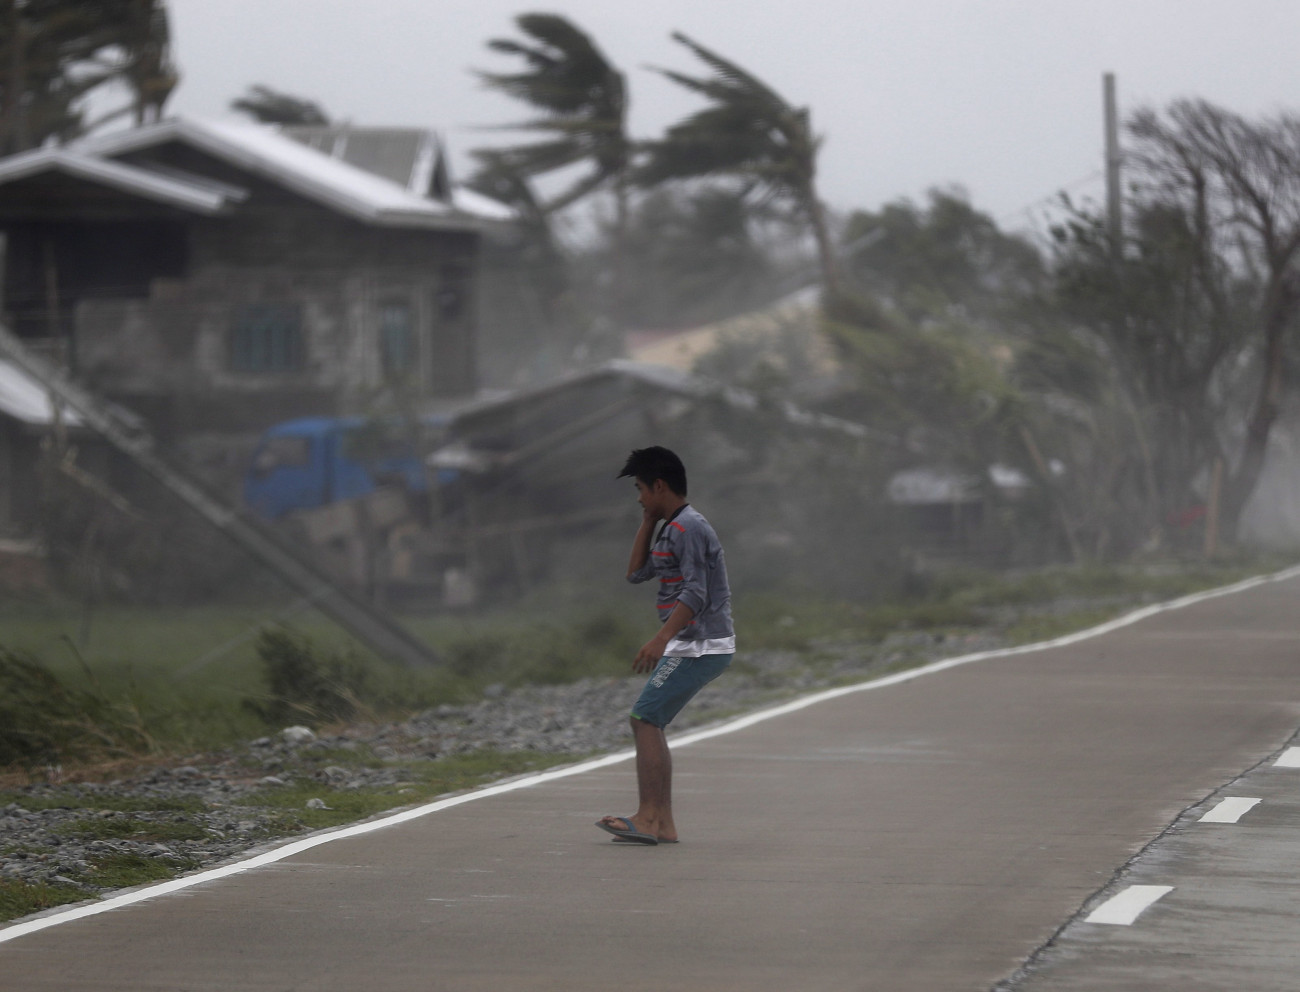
[1114, 204]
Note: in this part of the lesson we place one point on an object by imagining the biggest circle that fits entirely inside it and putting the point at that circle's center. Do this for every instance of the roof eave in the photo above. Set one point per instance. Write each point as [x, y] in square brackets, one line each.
[124, 178]
[242, 157]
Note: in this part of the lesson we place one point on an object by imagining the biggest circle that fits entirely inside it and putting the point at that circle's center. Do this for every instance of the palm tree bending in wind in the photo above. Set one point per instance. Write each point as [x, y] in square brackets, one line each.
[747, 130]
[584, 103]
[584, 100]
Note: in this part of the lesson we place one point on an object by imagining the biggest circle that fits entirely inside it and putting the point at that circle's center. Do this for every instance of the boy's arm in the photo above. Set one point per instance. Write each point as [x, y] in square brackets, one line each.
[641, 548]
[691, 598]
[653, 649]
[692, 559]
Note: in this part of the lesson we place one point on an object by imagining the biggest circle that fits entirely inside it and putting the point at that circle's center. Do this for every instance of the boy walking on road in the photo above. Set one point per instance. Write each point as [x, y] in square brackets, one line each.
[695, 642]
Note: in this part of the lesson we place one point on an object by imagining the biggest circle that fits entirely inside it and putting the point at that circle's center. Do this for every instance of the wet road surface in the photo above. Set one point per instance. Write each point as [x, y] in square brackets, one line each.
[928, 835]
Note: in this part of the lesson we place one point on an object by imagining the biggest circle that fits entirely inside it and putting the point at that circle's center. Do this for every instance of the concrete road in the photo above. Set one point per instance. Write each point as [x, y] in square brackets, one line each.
[930, 835]
[1230, 915]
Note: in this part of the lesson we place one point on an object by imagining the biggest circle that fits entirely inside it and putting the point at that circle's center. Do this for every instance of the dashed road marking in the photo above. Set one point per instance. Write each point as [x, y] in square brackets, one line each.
[1230, 810]
[1127, 906]
[1290, 758]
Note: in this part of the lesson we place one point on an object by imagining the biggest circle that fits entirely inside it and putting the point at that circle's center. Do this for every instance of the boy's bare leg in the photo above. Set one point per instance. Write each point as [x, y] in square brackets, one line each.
[654, 776]
[654, 779]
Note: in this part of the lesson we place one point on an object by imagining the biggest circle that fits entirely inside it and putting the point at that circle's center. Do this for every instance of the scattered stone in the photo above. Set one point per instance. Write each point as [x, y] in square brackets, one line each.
[297, 735]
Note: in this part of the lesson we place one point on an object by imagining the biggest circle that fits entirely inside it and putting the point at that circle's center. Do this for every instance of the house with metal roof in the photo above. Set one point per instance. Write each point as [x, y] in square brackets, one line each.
[218, 276]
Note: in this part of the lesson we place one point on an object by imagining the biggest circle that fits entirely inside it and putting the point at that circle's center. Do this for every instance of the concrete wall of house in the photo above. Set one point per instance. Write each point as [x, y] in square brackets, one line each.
[169, 355]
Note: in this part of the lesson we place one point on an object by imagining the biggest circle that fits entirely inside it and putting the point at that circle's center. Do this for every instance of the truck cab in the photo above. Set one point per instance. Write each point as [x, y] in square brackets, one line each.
[313, 462]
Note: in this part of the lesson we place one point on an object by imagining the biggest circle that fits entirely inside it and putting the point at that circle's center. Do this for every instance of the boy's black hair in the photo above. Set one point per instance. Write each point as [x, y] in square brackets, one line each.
[648, 464]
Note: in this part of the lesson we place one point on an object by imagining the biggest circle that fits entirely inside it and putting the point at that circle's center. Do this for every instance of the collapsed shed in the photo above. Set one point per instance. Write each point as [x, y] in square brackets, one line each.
[528, 472]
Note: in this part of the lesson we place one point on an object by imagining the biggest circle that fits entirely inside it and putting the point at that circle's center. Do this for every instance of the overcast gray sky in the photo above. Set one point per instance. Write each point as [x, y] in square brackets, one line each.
[1002, 97]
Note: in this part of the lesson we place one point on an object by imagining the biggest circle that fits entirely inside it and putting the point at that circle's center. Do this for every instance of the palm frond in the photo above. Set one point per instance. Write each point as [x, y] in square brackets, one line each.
[729, 71]
[560, 34]
[712, 89]
[747, 130]
[583, 97]
[582, 187]
[541, 157]
[566, 74]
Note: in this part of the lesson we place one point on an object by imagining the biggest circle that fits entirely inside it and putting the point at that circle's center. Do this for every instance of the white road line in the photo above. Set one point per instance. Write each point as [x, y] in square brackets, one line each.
[1230, 810]
[1290, 758]
[1127, 906]
[55, 917]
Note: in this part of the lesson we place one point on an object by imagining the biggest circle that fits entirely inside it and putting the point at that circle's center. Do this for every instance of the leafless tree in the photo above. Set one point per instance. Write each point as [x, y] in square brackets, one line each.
[1233, 184]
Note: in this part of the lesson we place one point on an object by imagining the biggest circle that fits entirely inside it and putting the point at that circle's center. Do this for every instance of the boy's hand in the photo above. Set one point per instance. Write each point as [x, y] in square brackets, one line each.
[649, 516]
[649, 655]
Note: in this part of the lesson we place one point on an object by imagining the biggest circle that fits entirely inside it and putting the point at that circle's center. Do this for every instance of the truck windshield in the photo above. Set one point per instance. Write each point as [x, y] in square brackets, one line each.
[281, 452]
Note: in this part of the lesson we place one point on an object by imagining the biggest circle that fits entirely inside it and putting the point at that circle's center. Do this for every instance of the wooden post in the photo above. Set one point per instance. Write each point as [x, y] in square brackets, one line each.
[53, 321]
[1212, 509]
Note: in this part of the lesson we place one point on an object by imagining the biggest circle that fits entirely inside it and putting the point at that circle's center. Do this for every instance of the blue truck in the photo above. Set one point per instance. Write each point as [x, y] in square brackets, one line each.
[313, 462]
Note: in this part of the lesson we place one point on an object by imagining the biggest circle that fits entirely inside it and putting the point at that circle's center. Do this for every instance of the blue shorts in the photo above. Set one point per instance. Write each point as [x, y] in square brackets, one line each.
[672, 684]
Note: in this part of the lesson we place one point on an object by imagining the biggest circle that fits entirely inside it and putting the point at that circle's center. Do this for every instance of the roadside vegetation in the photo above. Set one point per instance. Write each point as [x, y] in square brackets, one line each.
[157, 685]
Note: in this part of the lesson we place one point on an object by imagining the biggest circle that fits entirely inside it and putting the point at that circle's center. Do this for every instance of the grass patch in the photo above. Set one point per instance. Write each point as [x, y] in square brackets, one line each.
[794, 624]
[24, 898]
[1164, 580]
[29, 850]
[120, 871]
[44, 718]
[427, 780]
[129, 828]
[184, 671]
[962, 601]
[95, 800]
[358, 757]
[539, 647]
[1047, 627]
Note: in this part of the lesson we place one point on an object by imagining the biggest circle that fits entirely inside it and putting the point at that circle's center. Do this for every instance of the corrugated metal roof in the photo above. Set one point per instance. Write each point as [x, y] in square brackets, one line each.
[400, 154]
[669, 380]
[263, 151]
[406, 155]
